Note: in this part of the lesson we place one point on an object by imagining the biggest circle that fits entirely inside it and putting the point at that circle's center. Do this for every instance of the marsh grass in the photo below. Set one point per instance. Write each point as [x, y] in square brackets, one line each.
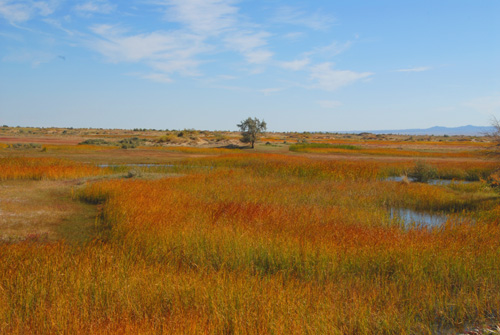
[43, 208]
[310, 147]
[260, 244]
[29, 168]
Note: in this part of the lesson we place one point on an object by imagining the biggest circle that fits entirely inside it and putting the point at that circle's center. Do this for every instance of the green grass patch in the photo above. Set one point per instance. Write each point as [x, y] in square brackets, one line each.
[304, 147]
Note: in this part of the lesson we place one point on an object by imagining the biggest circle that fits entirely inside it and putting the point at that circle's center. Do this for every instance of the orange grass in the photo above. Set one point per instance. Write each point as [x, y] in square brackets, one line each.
[445, 169]
[193, 150]
[287, 166]
[388, 143]
[391, 152]
[80, 147]
[12, 168]
[257, 244]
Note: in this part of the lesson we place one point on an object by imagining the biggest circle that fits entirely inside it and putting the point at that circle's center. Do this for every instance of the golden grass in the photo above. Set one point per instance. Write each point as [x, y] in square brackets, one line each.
[193, 150]
[33, 209]
[80, 147]
[13, 168]
[391, 152]
[262, 244]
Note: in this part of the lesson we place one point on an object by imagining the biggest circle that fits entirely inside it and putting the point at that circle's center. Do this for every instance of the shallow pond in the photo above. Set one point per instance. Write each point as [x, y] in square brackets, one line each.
[134, 165]
[431, 182]
[411, 218]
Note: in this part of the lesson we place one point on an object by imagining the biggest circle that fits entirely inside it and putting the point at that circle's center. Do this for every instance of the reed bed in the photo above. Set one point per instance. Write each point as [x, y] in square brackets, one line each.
[450, 145]
[195, 150]
[79, 147]
[16, 168]
[258, 244]
[290, 166]
[323, 148]
[445, 169]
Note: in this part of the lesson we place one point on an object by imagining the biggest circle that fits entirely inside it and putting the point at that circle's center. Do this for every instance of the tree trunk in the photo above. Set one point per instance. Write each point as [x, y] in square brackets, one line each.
[252, 144]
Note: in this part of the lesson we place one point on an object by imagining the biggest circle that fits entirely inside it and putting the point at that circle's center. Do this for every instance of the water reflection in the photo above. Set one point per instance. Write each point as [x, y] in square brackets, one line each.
[135, 165]
[430, 182]
[411, 218]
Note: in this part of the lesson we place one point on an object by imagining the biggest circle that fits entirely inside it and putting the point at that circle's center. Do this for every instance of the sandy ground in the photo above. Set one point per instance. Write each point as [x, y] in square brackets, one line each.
[42, 209]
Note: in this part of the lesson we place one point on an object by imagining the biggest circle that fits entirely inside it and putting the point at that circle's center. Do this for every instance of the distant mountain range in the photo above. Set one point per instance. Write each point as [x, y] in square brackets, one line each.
[437, 131]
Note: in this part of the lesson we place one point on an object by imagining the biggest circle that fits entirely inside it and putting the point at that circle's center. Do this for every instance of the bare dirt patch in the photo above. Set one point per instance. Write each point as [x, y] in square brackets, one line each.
[43, 209]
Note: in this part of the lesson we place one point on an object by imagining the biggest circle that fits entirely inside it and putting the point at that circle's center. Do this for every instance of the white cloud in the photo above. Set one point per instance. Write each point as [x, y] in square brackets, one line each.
[207, 17]
[166, 52]
[219, 19]
[294, 16]
[206, 26]
[294, 35]
[250, 45]
[57, 24]
[329, 79]
[330, 50]
[295, 65]
[15, 12]
[21, 11]
[45, 8]
[258, 56]
[188, 67]
[415, 69]
[329, 104]
[96, 6]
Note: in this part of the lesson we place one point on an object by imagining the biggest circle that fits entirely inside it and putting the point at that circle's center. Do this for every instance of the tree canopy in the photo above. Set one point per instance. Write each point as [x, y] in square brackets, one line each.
[251, 129]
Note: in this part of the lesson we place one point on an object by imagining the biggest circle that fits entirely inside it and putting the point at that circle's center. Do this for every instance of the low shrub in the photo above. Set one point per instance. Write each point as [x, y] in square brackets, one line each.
[94, 141]
[422, 172]
[21, 146]
[304, 146]
[129, 143]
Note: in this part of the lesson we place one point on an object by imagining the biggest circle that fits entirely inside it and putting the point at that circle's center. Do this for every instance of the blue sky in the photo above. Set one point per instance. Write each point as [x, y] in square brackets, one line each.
[208, 64]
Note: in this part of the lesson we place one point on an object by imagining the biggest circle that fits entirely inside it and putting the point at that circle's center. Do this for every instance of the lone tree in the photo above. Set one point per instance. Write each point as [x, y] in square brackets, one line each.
[251, 129]
[495, 133]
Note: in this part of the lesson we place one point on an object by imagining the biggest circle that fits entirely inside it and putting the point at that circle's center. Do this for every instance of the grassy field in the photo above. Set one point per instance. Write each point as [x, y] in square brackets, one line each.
[200, 238]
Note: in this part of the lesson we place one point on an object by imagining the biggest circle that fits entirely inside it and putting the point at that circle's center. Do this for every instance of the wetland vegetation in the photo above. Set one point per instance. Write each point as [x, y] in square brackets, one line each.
[291, 238]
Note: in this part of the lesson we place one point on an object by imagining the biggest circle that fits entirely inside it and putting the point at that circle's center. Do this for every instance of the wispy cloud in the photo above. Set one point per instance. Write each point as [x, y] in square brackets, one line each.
[250, 45]
[415, 69]
[295, 16]
[216, 23]
[45, 8]
[295, 65]
[294, 35]
[57, 24]
[167, 52]
[206, 17]
[205, 26]
[329, 104]
[333, 49]
[329, 79]
[17, 12]
[95, 7]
